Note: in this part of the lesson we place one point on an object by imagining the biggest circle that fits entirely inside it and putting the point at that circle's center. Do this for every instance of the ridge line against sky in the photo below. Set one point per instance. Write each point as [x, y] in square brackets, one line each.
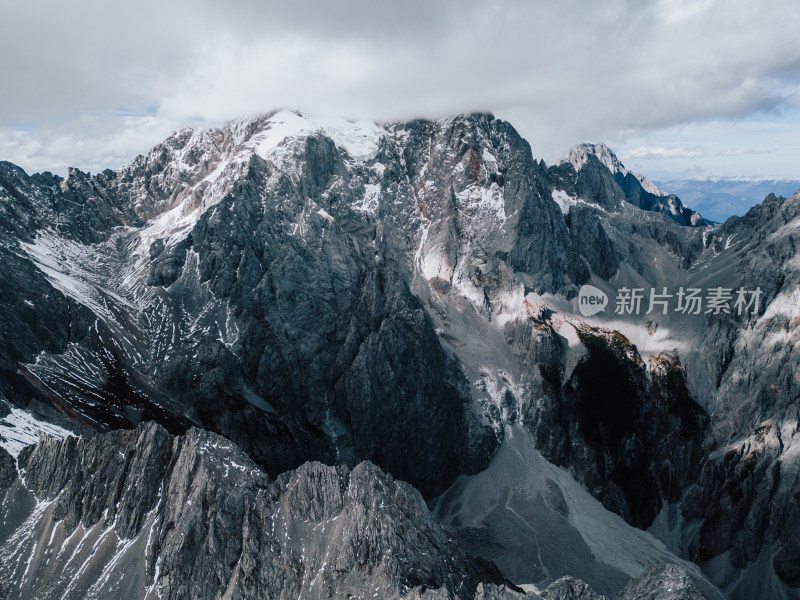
[674, 87]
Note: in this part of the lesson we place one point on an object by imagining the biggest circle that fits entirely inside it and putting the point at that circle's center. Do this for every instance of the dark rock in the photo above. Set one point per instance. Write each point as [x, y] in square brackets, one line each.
[594, 173]
[8, 470]
[732, 498]
[595, 183]
[494, 592]
[593, 242]
[787, 559]
[641, 438]
[195, 518]
[166, 265]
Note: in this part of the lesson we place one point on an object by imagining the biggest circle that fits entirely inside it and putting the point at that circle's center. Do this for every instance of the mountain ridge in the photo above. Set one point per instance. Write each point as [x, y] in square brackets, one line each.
[723, 197]
[404, 306]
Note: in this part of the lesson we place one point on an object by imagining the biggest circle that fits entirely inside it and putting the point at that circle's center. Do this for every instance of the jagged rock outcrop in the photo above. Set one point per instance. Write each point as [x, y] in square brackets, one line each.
[667, 582]
[746, 494]
[569, 588]
[144, 514]
[494, 592]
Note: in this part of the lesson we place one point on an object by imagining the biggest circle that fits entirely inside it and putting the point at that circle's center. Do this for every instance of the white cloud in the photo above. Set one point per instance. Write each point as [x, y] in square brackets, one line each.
[760, 147]
[561, 72]
[91, 142]
[660, 152]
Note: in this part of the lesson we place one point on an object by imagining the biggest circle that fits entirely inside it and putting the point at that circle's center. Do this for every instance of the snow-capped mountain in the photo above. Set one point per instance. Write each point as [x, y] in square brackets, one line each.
[409, 294]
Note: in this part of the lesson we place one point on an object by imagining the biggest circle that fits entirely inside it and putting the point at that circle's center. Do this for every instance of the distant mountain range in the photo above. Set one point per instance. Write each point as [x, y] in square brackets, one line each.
[719, 198]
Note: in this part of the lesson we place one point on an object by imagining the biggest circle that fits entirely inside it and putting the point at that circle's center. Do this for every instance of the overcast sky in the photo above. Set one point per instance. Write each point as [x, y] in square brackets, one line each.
[676, 87]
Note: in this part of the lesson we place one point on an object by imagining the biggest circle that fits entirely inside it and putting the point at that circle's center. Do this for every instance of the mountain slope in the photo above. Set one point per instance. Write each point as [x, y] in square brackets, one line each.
[144, 514]
[538, 524]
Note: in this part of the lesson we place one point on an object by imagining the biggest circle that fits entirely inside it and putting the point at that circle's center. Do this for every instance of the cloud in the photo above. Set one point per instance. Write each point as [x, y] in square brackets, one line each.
[760, 147]
[660, 152]
[561, 72]
[744, 151]
[92, 142]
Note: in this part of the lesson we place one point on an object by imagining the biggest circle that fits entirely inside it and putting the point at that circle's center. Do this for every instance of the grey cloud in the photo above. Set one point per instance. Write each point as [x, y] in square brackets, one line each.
[563, 72]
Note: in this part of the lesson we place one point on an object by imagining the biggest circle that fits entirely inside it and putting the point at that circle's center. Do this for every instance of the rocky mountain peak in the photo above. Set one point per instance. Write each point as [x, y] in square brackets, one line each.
[580, 154]
[593, 173]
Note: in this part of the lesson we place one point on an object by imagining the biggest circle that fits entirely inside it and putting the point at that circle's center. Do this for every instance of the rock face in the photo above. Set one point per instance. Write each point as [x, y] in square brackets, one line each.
[8, 471]
[257, 314]
[144, 514]
[642, 430]
[494, 592]
[401, 294]
[746, 494]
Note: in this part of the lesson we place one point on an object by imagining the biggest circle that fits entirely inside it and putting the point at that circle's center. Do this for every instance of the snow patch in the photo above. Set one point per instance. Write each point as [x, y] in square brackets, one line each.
[369, 203]
[60, 262]
[565, 201]
[787, 303]
[324, 213]
[485, 200]
[20, 429]
[359, 139]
